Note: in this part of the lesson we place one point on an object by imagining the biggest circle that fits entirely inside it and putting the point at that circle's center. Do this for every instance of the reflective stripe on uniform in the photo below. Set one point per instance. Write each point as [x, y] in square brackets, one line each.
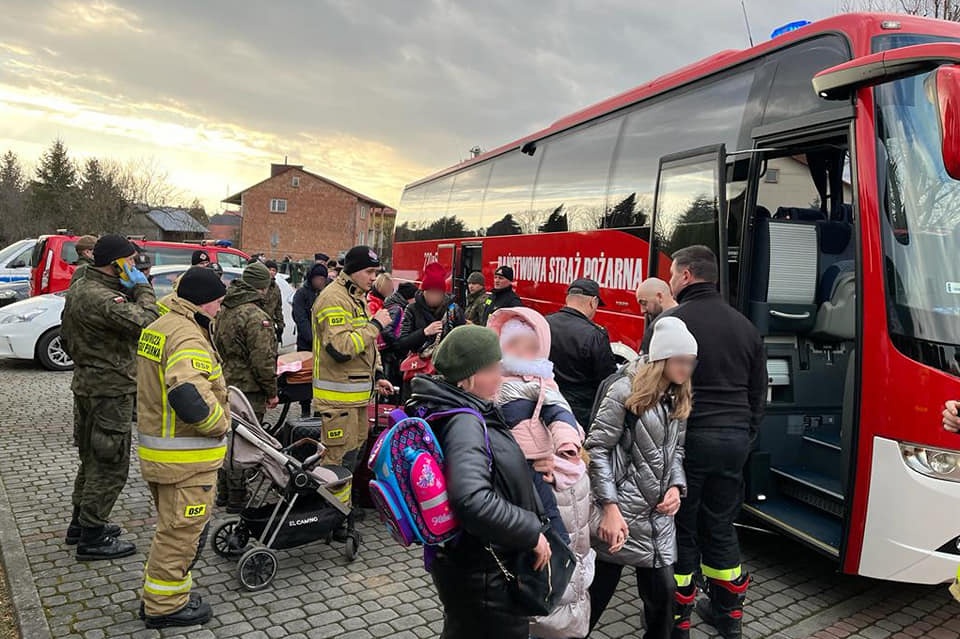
[181, 443]
[683, 580]
[192, 456]
[729, 574]
[210, 421]
[160, 587]
[188, 354]
[357, 342]
[337, 391]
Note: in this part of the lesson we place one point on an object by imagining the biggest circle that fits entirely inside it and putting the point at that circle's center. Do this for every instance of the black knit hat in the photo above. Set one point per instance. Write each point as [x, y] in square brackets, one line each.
[359, 258]
[506, 272]
[200, 285]
[271, 264]
[112, 247]
[407, 290]
[199, 256]
[466, 350]
[321, 257]
[318, 270]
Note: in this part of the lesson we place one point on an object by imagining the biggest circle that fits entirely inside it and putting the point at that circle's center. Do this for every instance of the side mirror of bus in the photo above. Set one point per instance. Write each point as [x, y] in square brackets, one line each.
[943, 90]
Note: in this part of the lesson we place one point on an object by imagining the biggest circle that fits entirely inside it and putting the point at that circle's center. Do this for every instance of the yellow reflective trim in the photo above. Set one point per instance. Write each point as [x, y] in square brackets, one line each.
[163, 588]
[729, 574]
[344, 493]
[150, 345]
[211, 420]
[332, 310]
[683, 580]
[162, 308]
[188, 354]
[357, 342]
[182, 456]
[336, 396]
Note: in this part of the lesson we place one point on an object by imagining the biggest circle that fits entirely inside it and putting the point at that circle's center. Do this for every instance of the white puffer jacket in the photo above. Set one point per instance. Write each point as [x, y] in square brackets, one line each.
[572, 616]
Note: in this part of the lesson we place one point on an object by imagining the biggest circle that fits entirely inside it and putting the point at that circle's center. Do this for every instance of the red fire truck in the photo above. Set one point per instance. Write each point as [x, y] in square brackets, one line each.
[836, 212]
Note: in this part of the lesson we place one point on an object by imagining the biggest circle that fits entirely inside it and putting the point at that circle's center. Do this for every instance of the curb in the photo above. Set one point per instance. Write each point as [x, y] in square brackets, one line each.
[31, 618]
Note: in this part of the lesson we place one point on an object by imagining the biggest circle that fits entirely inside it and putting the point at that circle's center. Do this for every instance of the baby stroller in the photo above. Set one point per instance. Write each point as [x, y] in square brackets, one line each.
[295, 500]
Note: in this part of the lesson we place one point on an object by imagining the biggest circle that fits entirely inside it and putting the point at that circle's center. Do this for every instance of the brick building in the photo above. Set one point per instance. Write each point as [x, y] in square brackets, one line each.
[298, 213]
[225, 226]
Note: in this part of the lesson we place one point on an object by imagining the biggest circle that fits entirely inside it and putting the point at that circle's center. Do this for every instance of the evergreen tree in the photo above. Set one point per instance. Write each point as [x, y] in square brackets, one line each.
[505, 226]
[101, 205]
[53, 193]
[556, 223]
[198, 212]
[14, 223]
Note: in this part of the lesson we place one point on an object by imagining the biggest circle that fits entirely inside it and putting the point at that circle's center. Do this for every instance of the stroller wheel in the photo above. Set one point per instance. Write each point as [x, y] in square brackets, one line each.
[230, 539]
[352, 546]
[257, 568]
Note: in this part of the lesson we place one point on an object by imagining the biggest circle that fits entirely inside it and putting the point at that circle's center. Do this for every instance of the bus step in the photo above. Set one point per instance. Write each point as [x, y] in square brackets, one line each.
[828, 440]
[804, 523]
[812, 488]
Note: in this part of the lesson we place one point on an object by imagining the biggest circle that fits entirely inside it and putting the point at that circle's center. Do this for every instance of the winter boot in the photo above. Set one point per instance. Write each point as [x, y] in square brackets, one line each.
[683, 600]
[724, 609]
[143, 611]
[74, 530]
[196, 612]
[95, 544]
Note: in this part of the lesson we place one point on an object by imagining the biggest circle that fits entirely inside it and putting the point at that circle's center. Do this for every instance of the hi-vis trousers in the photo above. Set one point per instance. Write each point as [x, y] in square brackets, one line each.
[183, 511]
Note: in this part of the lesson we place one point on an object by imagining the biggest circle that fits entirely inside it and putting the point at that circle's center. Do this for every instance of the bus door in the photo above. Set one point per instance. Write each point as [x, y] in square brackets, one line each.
[471, 259]
[798, 285]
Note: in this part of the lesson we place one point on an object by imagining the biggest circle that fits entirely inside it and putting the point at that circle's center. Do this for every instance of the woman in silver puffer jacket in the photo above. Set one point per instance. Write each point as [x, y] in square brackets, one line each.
[636, 473]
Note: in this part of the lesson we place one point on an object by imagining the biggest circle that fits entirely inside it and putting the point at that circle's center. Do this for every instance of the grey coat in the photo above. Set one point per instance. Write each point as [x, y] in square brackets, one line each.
[633, 462]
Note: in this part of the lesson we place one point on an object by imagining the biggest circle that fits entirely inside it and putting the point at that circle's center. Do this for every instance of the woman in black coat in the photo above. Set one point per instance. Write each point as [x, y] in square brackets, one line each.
[493, 498]
[431, 316]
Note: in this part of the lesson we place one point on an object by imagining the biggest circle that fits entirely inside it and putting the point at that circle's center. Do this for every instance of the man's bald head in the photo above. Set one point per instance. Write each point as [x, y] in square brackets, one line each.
[654, 297]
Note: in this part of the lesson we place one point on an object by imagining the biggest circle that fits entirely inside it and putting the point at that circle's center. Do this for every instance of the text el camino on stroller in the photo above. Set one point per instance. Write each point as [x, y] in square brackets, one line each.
[294, 500]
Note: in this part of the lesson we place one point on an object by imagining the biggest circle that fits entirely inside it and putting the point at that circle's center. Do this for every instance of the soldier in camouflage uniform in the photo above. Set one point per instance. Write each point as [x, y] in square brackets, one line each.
[476, 297]
[273, 302]
[246, 340]
[105, 310]
[84, 255]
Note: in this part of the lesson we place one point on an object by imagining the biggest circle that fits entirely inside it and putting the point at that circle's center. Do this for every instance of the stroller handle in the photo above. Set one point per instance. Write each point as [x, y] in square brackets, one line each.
[312, 460]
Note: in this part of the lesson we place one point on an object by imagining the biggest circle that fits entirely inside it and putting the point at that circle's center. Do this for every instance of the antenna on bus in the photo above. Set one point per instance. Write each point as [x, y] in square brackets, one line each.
[746, 20]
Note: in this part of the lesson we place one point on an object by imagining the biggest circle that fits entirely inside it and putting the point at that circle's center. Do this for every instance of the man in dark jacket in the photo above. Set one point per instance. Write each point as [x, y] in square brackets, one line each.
[502, 295]
[390, 355]
[579, 349]
[431, 316]
[730, 385]
[655, 300]
[303, 299]
[496, 509]
[105, 310]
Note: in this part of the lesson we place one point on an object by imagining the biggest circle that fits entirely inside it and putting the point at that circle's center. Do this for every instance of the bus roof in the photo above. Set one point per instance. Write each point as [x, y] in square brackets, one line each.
[862, 25]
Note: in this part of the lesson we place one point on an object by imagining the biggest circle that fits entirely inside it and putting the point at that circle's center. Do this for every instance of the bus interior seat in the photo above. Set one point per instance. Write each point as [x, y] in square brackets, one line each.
[784, 283]
[762, 213]
[837, 316]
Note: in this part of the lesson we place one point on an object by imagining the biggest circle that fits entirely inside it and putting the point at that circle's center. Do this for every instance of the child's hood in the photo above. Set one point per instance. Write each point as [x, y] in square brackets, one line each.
[531, 317]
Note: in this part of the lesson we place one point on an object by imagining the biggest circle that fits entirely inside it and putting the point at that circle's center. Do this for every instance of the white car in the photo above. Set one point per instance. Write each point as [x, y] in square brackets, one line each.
[30, 329]
[15, 261]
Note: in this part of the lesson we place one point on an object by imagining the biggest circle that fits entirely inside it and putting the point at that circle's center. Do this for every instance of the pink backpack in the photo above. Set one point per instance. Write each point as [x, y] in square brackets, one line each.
[408, 489]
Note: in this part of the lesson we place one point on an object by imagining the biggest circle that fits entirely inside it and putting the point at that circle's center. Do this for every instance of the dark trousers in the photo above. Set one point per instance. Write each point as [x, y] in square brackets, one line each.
[714, 461]
[476, 603]
[655, 586]
[101, 432]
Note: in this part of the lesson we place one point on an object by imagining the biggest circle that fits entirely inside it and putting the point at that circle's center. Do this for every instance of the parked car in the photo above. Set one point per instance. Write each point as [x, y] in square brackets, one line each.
[54, 258]
[15, 261]
[30, 329]
[11, 292]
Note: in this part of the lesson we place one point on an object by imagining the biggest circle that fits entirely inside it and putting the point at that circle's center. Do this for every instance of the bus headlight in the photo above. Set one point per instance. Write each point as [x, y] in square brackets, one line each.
[932, 462]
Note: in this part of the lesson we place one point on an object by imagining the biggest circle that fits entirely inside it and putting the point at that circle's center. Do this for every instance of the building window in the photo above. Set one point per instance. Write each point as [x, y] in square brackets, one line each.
[295, 181]
[371, 234]
[363, 211]
[278, 205]
[360, 238]
[772, 176]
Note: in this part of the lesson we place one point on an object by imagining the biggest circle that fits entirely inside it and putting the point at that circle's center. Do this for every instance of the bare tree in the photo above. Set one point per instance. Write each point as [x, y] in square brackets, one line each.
[942, 9]
[145, 181]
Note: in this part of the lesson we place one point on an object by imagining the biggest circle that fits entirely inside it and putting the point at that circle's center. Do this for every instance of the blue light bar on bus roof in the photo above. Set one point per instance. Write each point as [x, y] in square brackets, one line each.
[787, 28]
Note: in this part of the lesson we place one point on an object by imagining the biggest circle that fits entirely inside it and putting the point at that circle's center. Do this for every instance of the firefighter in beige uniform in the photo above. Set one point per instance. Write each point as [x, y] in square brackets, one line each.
[346, 362]
[183, 418]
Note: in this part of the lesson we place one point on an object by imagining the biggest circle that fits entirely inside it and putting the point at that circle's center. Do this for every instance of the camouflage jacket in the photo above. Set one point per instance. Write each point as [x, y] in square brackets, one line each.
[475, 303]
[100, 328]
[273, 305]
[246, 339]
[82, 264]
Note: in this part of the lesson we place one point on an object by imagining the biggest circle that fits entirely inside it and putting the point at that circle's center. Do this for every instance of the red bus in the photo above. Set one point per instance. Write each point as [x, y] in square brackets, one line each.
[838, 223]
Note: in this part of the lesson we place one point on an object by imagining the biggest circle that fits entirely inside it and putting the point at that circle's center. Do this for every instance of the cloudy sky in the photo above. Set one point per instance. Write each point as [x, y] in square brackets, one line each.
[372, 93]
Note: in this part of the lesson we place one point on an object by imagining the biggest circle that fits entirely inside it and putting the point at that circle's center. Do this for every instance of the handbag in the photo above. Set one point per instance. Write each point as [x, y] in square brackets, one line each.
[416, 364]
[535, 593]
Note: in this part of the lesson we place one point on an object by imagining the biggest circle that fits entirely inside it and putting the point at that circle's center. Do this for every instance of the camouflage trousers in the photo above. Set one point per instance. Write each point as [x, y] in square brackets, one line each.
[101, 433]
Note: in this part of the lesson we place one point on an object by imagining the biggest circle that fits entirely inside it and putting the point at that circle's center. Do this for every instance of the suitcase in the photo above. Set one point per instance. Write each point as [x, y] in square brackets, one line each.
[379, 418]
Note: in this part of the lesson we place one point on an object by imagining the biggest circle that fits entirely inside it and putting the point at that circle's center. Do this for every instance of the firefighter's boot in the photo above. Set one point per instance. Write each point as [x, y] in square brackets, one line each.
[683, 600]
[724, 608]
[197, 612]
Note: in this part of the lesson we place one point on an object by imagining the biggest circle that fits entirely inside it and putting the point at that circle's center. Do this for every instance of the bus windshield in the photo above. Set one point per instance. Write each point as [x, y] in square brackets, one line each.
[920, 211]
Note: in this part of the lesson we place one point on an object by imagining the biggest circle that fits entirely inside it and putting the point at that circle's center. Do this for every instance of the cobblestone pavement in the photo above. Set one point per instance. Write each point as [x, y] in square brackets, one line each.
[385, 593]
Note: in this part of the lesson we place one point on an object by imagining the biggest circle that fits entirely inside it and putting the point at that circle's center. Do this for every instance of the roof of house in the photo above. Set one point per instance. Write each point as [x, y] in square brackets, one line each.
[175, 221]
[225, 219]
[235, 198]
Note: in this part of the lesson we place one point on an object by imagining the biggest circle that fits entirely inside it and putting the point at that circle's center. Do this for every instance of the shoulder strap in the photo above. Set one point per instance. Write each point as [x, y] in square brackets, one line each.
[541, 396]
[466, 411]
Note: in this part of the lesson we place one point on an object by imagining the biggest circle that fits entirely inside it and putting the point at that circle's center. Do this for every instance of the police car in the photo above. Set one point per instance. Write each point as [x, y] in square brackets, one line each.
[30, 329]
